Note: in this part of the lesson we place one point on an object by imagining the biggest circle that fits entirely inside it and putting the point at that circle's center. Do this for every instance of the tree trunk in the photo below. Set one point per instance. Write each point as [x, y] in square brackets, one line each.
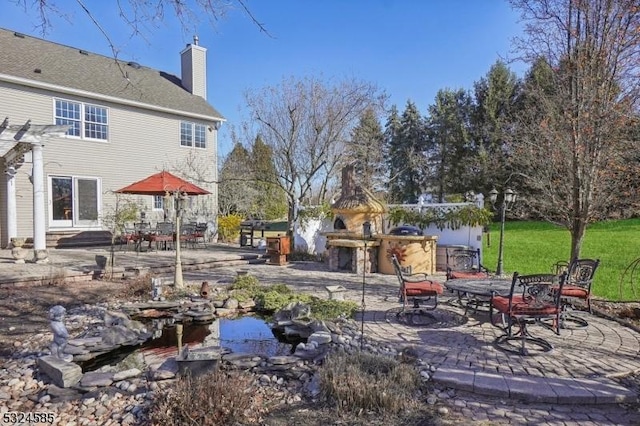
[291, 218]
[578, 228]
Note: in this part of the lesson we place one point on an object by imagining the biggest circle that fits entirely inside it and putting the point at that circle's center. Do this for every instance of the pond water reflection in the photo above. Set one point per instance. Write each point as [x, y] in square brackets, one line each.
[239, 335]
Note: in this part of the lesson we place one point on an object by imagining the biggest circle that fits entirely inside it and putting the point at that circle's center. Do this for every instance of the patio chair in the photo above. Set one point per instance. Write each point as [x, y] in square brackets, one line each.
[463, 263]
[188, 235]
[195, 234]
[126, 237]
[416, 289]
[532, 299]
[142, 230]
[580, 274]
[163, 235]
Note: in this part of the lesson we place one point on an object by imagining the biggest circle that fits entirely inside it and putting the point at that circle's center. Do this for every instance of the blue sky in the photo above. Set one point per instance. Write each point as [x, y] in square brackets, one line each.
[408, 48]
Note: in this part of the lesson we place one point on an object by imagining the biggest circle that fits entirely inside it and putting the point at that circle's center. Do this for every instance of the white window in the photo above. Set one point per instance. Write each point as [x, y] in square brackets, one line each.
[86, 120]
[193, 134]
[158, 202]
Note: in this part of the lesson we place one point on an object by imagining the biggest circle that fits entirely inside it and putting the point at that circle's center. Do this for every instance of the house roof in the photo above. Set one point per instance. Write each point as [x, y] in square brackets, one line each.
[36, 62]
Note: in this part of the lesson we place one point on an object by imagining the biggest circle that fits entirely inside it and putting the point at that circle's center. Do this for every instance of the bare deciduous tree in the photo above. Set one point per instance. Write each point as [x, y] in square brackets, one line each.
[139, 15]
[306, 122]
[575, 130]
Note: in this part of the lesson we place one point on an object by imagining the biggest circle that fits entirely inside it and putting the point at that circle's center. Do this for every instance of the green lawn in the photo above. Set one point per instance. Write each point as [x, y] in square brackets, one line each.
[533, 247]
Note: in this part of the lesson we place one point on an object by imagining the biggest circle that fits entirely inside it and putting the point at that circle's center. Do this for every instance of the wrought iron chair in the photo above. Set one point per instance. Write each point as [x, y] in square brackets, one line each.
[163, 234]
[532, 299]
[416, 289]
[580, 274]
[127, 235]
[462, 263]
[142, 230]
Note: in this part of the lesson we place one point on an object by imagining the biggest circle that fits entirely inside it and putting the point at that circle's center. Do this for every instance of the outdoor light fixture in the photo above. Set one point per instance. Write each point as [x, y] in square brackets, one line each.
[508, 199]
[366, 234]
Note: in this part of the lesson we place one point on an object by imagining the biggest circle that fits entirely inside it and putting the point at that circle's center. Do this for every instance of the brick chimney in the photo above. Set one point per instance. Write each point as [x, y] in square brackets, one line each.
[194, 68]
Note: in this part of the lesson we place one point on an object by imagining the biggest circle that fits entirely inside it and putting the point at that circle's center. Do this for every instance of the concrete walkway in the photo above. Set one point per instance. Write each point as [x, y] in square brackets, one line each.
[579, 370]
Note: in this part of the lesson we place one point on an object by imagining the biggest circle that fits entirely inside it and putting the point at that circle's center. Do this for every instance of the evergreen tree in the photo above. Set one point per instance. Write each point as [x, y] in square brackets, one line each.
[270, 199]
[406, 155]
[496, 97]
[365, 151]
[449, 147]
[235, 192]
[393, 162]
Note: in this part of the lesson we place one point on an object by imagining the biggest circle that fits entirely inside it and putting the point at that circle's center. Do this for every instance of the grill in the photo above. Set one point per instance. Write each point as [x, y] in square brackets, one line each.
[406, 230]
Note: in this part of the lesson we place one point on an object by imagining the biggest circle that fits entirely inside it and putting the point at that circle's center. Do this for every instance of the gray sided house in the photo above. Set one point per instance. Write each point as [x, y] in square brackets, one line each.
[76, 126]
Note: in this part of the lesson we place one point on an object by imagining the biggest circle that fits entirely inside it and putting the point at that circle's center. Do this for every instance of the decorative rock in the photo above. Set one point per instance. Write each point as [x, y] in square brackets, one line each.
[200, 315]
[121, 335]
[206, 353]
[126, 374]
[231, 303]
[247, 304]
[283, 359]
[242, 360]
[294, 310]
[320, 337]
[224, 312]
[75, 350]
[163, 375]
[93, 379]
[112, 318]
[87, 341]
[336, 292]
[443, 411]
[62, 373]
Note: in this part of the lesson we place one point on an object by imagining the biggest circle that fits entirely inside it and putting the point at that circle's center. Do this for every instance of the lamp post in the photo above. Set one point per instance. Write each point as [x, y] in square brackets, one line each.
[366, 234]
[178, 198]
[508, 199]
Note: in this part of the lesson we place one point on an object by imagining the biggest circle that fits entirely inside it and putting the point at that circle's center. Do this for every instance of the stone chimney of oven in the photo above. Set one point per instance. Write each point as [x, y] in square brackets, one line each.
[194, 68]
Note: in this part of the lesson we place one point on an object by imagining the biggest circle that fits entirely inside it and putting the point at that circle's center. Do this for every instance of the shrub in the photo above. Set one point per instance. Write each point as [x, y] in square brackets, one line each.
[56, 278]
[272, 300]
[366, 382]
[208, 400]
[229, 227]
[330, 309]
[245, 282]
[277, 296]
[302, 256]
[138, 287]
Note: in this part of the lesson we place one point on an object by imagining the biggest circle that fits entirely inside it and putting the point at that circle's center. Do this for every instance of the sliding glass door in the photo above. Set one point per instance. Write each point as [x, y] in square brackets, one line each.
[74, 201]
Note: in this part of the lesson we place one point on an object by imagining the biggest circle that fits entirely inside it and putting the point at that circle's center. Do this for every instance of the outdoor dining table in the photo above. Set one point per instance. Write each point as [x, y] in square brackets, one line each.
[473, 292]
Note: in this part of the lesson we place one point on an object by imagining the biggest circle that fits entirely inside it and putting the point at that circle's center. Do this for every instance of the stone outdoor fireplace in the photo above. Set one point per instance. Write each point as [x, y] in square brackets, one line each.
[346, 244]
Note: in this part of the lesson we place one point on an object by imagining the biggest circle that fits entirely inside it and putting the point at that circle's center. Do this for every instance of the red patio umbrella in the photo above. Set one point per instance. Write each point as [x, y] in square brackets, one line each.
[161, 183]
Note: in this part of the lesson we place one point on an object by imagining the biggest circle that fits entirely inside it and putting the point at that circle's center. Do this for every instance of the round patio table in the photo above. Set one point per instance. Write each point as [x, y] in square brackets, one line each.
[474, 292]
[480, 286]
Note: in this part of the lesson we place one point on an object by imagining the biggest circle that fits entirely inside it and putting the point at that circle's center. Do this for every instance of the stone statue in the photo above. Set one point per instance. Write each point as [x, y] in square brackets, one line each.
[60, 333]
